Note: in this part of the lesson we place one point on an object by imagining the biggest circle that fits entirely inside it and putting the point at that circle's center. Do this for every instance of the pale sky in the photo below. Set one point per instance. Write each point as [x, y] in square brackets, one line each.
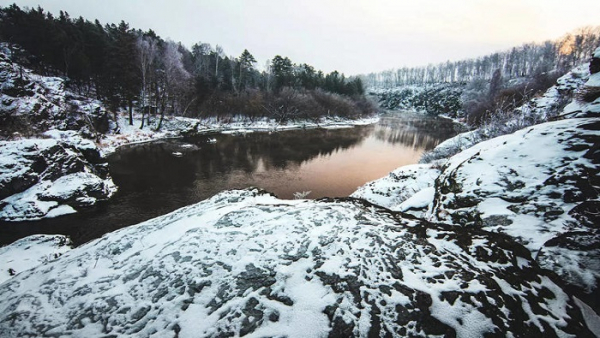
[351, 36]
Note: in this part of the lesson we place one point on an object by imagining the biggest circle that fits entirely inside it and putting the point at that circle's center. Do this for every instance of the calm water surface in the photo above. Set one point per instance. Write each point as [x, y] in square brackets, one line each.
[154, 179]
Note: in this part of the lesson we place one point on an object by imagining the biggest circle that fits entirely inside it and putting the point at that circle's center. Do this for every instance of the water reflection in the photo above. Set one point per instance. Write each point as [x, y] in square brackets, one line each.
[154, 165]
[159, 177]
[414, 131]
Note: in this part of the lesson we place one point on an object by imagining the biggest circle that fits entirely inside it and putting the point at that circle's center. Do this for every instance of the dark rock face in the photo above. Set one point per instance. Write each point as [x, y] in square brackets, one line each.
[594, 65]
[245, 263]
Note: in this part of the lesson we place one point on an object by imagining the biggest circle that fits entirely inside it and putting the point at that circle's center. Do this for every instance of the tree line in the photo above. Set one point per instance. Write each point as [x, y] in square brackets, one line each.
[528, 60]
[134, 69]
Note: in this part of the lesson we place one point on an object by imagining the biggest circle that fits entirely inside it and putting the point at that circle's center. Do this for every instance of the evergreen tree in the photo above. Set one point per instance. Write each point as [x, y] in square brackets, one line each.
[246, 62]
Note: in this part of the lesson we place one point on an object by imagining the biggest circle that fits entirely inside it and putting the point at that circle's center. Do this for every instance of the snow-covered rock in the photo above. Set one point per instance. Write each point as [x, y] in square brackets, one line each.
[30, 252]
[50, 177]
[539, 185]
[31, 104]
[401, 184]
[245, 263]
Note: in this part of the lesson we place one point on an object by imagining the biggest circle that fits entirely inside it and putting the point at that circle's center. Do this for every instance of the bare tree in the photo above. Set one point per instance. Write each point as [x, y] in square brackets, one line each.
[175, 78]
[147, 52]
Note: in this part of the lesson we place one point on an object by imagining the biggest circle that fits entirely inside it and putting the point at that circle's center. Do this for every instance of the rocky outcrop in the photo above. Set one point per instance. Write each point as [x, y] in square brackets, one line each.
[246, 263]
[48, 177]
[31, 104]
[540, 186]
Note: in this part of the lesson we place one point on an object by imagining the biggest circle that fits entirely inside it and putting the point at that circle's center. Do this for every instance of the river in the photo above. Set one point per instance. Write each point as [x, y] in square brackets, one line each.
[158, 177]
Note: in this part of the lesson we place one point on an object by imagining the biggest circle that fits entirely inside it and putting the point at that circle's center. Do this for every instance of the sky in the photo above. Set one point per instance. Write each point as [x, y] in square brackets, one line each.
[351, 36]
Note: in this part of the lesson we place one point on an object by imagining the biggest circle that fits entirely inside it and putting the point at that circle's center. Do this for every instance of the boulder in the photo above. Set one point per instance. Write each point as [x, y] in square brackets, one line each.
[49, 177]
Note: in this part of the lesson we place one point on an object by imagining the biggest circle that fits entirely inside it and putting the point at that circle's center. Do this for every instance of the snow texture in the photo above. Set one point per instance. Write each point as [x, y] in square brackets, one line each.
[401, 184]
[49, 177]
[30, 252]
[244, 263]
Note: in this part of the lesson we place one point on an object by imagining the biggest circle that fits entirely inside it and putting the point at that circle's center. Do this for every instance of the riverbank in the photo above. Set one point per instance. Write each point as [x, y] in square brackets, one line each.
[174, 126]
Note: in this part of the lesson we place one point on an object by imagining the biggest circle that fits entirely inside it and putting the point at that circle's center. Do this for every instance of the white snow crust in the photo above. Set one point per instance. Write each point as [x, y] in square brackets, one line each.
[247, 264]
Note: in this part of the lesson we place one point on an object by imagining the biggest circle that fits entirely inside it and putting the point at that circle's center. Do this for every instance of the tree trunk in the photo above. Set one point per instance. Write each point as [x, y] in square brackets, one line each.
[130, 113]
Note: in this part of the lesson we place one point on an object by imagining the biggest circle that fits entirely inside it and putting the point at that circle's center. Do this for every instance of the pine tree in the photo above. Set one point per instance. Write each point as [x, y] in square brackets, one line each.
[246, 62]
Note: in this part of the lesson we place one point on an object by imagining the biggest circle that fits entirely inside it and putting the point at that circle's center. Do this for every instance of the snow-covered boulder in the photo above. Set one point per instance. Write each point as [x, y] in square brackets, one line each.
[245, 263]
[50, 177]
[539, 185]
[29, 252]
[400, 185]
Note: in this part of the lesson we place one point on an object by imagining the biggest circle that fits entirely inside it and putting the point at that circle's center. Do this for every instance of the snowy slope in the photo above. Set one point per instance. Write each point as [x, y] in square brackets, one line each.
[537, 110]
[244, 263]
[30, 252]
[31, 104]
[539, 185]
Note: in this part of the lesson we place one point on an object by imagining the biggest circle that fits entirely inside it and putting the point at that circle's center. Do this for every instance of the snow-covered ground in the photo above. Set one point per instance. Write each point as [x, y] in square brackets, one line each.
[30, 252]
[175, 126]
[399, 186]
[245, 263]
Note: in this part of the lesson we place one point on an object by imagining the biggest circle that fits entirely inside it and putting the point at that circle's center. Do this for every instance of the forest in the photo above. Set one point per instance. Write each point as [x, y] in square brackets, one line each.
[528, 60]
[479, 90]
[127, 68]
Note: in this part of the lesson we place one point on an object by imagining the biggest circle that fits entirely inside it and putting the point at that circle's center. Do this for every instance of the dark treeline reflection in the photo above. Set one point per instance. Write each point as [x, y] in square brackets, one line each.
[154, 165]
[414, 131]
[159, 177]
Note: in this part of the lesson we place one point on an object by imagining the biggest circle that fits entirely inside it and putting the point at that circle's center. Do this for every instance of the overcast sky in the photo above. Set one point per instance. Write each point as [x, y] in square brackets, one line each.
[351, 36]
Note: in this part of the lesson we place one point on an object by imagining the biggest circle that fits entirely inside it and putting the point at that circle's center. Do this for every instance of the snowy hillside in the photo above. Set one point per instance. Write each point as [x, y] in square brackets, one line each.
[538, 185]
[247, 264]
[31, 104]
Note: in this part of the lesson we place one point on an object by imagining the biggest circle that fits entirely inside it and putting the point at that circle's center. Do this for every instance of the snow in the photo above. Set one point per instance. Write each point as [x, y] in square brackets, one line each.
[401, 184]
[591, 317]
[594, 80]
[41, 193]
[246, 263]
[29, 252]
[420, 200]
[60, 211]
[513, 169]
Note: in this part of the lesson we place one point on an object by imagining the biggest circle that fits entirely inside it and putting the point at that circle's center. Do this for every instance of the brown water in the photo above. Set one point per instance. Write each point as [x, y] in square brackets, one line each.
[153, 180]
